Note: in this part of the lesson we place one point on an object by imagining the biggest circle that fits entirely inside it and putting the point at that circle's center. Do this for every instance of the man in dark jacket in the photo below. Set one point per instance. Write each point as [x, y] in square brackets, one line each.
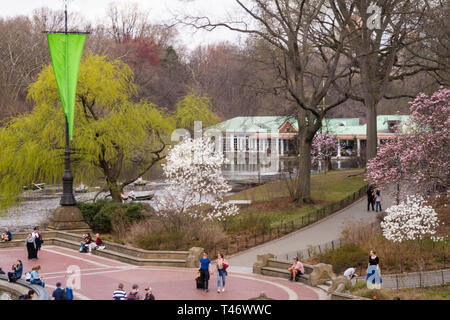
[370, 198]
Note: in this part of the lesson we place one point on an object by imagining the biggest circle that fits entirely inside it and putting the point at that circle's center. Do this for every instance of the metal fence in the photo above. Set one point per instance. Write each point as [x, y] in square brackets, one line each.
[236, 243]
[311, 251]
[414, 279]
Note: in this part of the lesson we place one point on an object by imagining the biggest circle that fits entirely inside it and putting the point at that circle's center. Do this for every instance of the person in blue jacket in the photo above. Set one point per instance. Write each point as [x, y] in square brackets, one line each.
[35, 277]
[16, 274]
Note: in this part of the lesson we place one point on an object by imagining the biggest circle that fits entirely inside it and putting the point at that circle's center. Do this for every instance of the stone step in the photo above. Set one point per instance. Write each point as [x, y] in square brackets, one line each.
[139, 261]
[113, 251]
[140, 253]
[284, 273]
[131, 259]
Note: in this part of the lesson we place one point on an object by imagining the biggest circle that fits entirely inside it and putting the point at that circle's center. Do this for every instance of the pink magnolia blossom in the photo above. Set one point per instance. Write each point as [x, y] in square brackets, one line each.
[419, 154]
[324, 145]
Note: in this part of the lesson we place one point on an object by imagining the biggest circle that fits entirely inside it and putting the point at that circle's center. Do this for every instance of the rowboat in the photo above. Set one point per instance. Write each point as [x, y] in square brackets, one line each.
[140, 198]
[81, 190]
[35, 186]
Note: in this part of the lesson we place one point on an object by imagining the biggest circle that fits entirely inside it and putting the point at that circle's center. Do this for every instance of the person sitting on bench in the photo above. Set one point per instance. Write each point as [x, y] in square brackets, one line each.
[296, 269]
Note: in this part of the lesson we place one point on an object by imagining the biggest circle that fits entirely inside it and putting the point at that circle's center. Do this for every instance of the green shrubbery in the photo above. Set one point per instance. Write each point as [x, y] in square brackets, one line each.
[103, 214]
[349, 255]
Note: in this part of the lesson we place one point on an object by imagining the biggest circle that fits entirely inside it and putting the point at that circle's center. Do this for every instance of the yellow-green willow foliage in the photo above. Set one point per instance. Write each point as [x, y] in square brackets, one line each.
[194, 108]
[111, 132]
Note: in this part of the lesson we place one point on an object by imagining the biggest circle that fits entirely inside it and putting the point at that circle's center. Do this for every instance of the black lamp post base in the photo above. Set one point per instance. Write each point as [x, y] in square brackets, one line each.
[68, 218]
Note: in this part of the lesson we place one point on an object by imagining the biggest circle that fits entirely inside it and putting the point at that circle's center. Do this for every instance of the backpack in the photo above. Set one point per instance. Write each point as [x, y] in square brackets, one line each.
[28, 276]
[68, 294]
[132, 296]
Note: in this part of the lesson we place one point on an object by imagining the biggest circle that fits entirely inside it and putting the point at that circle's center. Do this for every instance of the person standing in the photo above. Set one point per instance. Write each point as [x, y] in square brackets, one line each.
[370, 198]
[221, 269]
[378, 200]
[30, 244]
[37, 238]
[16, 274]
[58, 293]
[204, 270]
[134, 293]
[119, 293]
[373, 278]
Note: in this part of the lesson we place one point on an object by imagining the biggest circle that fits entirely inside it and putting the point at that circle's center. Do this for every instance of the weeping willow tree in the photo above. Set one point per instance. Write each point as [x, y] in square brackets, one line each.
[112, 134]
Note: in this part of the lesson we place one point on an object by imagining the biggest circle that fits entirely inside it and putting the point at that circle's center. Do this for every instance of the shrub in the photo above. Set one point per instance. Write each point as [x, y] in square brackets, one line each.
[249, 222]
[152, 234]
[349, 255]
[103, 214]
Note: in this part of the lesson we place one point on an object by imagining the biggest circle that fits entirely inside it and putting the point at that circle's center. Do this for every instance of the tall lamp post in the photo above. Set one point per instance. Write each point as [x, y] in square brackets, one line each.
[65, 50]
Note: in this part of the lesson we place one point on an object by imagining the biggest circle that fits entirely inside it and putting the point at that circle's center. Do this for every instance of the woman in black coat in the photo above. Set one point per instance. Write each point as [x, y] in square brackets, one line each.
[30, 243]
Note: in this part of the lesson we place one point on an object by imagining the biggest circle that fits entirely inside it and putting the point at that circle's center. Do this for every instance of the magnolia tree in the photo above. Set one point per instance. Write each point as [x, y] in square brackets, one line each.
[420, 152]
[324, 145]
[410, 220]
[196, 187]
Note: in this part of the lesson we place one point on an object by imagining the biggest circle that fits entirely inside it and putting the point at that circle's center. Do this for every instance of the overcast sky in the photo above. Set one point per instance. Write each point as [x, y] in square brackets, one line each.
[160, 11]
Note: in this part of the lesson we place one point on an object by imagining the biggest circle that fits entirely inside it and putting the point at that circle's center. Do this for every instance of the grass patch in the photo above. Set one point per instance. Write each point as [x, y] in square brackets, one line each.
[271, 206]
[426, 293]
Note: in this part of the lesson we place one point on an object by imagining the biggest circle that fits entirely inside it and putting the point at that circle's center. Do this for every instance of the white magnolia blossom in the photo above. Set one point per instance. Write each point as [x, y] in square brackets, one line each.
[194, 175]
[410, 220]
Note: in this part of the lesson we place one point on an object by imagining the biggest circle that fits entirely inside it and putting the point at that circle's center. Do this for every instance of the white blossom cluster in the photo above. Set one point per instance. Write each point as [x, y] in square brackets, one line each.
[196, 185]
[410, 220]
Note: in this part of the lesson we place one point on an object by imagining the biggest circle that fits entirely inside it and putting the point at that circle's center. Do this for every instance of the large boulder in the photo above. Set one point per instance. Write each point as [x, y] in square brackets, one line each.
[261, 261]
[193, 259]
[340, 284]
[322, 272]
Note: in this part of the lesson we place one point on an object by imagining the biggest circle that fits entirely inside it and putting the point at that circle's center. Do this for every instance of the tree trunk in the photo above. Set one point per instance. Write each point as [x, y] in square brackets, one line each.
[115, 190]
[328, 164]
[371, 130]
[303, 190]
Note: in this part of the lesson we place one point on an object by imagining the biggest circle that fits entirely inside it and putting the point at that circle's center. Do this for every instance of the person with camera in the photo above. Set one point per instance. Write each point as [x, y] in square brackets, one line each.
[16, 274]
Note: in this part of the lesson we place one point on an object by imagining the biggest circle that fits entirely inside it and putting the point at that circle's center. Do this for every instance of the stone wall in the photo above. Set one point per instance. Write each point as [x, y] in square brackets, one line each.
[414, 279]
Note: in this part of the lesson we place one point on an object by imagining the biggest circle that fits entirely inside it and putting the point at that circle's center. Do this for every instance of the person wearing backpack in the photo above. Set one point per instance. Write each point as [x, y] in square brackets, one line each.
[68, 293]
[134, 293]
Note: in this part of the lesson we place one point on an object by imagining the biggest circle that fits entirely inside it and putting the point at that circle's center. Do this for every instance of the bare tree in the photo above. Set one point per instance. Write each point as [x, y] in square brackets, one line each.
[298, 37]
[378, 51]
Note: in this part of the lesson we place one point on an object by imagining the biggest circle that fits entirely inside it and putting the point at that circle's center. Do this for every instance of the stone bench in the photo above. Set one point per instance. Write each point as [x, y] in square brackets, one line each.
[314, 274]
[284, 273]
[241, 203]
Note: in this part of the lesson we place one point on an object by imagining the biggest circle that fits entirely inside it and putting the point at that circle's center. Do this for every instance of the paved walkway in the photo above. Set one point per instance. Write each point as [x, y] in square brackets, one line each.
[323, 231]
[99, 276]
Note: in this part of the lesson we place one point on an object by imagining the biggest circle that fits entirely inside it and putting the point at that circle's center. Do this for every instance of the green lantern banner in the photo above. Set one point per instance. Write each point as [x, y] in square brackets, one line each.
[66, 51]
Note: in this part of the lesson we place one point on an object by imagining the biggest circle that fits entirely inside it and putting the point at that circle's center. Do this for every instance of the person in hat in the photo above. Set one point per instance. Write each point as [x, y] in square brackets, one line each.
[58, 293]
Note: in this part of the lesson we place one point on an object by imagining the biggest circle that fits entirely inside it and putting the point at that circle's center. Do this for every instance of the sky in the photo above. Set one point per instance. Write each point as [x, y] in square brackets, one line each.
[160, 11]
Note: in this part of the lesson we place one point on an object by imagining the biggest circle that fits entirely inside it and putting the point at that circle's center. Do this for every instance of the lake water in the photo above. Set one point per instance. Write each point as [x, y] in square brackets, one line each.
[38, 205]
